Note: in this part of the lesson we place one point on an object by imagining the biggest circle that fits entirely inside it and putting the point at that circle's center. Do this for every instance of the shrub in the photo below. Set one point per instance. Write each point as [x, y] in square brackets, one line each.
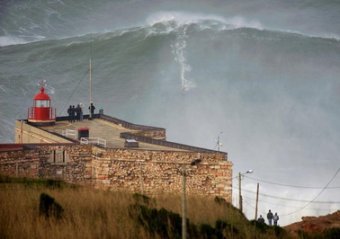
[48, 207]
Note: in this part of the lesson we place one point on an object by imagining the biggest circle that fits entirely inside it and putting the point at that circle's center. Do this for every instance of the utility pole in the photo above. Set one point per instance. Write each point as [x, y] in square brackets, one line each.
[141, 177]
[183, 171]
[239, 188]
[184, 204]
[257, 200]
[239, 192]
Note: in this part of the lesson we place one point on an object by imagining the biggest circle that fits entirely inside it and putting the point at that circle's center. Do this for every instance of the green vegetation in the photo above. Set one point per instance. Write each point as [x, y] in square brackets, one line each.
[90, 213]
[29, 182]
[331, 233]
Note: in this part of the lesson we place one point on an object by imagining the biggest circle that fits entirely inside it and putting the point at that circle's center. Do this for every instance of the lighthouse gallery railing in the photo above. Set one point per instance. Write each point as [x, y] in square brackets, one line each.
[31, 113]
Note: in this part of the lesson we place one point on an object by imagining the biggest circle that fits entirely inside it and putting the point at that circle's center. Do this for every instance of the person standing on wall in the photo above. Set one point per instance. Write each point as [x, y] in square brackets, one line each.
[73, 114]
[81, 111]
[270, 217]
[91, 108]
[69, 112]
[78, 109]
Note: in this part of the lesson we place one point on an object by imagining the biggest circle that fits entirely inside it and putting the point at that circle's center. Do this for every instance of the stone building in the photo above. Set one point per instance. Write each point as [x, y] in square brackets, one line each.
[107, 152]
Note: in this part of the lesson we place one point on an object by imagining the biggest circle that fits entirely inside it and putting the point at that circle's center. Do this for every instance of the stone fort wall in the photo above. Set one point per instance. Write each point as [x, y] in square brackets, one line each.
[72, 163]
[143, 171]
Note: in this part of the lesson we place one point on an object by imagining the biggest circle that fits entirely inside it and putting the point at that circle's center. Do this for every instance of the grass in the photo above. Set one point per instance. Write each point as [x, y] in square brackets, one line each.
[90, 213]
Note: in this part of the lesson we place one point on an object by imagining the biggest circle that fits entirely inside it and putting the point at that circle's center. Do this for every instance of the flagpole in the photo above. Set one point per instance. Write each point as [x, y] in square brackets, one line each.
[90, 82]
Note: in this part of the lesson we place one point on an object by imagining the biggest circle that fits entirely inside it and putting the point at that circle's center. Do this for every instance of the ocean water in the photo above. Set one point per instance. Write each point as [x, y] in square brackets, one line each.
[261, 75]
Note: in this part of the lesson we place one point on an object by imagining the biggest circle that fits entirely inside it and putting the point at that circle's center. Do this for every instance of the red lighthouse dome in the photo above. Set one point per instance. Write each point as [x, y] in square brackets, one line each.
[41, 113]
[42, 95]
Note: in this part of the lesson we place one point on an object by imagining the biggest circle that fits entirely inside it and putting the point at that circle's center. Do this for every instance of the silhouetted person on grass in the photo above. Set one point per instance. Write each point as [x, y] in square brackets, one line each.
[270, 217]
[276, 218]
[48, 207]
[260, 219]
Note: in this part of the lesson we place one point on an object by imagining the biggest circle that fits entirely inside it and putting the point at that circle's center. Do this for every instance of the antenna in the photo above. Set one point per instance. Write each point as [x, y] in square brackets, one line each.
[218, 142]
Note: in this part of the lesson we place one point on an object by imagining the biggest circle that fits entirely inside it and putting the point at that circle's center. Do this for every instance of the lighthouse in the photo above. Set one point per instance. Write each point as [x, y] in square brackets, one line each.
[41, 113]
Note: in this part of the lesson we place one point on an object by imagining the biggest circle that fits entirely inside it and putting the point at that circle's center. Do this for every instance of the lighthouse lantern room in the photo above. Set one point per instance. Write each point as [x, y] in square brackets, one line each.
[41, 113]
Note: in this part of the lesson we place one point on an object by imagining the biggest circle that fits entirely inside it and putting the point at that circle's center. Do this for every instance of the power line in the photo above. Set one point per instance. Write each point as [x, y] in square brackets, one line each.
[285, 205]
[313, 200]
[289, 199]
[295, 200]
[250, 205]
[287, 185]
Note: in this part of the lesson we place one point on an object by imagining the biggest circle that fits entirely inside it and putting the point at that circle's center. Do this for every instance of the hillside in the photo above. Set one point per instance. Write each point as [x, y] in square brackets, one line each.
[317, 227]
[81, 212]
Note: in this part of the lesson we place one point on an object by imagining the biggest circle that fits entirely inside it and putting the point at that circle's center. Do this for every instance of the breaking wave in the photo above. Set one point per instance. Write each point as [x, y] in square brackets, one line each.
[271, 87]
[177, 19]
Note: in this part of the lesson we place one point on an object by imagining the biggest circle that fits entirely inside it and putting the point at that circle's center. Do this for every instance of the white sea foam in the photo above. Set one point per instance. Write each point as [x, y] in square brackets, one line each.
[178, 49]
[178, 22]
[329, 36]
[208, 20]
[241, 22]
[182, 18]
[2, 87]
[173, 20]
[9, 40]
[12, 40]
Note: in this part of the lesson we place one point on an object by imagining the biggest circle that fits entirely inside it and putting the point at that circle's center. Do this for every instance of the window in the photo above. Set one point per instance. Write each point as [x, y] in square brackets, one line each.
[58, 157]
[42, 103]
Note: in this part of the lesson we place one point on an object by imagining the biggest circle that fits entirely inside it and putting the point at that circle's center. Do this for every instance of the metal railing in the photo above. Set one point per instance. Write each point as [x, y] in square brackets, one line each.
[93, 140]
[69, 132]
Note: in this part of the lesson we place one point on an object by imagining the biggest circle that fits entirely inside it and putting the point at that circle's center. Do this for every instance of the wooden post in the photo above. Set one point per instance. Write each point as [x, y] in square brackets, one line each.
[239, 192]
[184, 205]
[257, 200]
[141, 178]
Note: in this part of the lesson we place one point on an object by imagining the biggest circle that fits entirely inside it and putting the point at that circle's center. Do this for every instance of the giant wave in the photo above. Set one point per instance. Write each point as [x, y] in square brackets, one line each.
[273, 93]
[172, 48]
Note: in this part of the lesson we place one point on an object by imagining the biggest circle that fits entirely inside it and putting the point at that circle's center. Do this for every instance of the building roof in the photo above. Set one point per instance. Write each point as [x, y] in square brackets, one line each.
[111, 132]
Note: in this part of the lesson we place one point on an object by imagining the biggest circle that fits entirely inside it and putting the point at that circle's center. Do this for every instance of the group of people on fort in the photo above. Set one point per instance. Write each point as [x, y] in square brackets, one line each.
[76, 113]
[272, 218]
